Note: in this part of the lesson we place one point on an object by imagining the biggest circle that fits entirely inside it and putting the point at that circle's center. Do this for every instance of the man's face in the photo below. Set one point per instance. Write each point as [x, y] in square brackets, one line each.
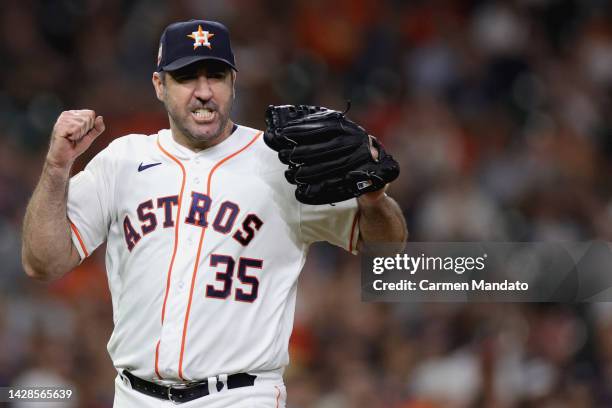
[198, 99]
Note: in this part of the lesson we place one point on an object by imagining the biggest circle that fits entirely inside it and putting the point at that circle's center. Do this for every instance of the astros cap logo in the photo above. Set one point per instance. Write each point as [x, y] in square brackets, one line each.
[201, 38]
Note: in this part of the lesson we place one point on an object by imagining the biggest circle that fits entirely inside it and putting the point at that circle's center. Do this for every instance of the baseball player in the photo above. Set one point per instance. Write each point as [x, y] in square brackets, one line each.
[205, 237]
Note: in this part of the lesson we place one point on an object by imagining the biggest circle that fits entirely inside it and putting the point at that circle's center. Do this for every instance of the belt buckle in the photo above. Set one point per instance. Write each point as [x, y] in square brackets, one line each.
[176, 387]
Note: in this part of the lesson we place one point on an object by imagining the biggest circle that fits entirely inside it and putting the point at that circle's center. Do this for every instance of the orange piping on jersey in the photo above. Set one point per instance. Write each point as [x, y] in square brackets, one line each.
[78, 235]
[227, 158]
[193, 277]
[176, 236]
[156, 361]
[355, 220]
[195, 269]
[277, 395]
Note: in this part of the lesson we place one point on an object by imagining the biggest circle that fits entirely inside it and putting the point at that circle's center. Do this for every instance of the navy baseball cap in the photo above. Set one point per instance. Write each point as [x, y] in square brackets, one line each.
[186, 42]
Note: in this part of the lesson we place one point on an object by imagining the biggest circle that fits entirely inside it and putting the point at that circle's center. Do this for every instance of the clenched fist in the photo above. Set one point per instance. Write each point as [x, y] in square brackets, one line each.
[73, 132]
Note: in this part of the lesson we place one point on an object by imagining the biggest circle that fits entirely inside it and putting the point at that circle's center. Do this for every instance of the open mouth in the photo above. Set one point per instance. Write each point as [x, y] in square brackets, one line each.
[203, 115]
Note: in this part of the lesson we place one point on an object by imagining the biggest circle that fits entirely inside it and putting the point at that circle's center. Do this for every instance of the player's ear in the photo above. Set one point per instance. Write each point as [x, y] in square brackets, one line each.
[158, 84]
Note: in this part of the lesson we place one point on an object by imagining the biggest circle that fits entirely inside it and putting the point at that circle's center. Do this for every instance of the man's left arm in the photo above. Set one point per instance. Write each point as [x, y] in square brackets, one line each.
[380, 219]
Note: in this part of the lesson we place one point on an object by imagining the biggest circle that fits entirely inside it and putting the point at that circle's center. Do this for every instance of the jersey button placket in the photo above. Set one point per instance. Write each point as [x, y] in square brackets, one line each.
[181, 274]
[197, 171]
[188, 246]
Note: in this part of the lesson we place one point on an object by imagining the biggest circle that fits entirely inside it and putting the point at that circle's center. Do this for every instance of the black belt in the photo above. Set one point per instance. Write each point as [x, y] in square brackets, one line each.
[186, 392]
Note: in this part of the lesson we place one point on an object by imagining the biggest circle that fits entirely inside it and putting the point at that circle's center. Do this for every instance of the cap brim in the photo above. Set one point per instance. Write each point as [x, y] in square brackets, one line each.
[183, 62]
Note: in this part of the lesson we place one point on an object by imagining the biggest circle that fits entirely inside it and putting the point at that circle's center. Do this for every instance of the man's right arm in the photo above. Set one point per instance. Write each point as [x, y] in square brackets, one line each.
[47, 249]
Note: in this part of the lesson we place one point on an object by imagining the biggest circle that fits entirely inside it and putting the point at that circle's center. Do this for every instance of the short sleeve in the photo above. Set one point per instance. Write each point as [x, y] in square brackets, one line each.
[337, 224]
[89, 198]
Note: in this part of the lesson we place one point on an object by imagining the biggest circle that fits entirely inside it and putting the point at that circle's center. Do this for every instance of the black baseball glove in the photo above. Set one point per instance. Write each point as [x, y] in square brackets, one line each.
[328, 155]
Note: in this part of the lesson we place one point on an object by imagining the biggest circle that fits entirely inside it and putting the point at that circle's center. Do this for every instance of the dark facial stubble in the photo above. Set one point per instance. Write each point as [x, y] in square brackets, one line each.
[223, 119]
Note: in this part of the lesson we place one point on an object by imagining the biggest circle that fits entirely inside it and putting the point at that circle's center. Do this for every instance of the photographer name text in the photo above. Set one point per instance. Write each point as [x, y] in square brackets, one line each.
[426, 285]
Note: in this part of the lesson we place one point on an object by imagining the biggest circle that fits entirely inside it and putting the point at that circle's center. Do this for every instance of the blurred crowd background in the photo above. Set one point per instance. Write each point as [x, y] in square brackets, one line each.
[498, 112]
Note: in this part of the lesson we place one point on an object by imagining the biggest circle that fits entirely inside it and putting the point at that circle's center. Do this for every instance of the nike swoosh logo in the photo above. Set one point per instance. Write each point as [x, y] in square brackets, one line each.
[142, 167]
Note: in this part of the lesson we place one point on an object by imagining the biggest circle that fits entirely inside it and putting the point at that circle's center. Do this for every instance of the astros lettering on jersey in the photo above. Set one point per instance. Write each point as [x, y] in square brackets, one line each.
[203, 252]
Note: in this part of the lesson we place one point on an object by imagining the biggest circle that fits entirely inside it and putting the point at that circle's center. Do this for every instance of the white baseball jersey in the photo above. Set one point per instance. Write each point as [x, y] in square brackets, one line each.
[203, 251]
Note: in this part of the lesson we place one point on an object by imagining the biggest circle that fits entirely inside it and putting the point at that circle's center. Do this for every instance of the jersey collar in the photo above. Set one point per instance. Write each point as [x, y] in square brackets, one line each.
[183, 153]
